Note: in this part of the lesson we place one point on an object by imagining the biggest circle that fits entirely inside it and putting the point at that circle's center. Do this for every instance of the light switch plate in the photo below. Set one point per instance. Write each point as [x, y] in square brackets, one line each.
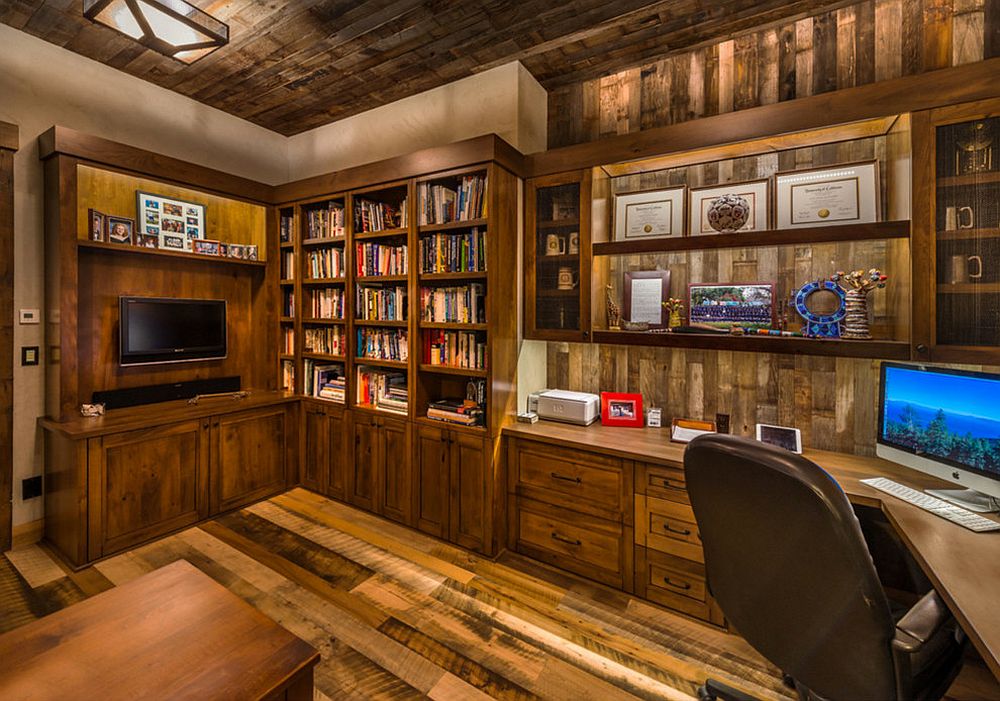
[29, 316]
[29, 355]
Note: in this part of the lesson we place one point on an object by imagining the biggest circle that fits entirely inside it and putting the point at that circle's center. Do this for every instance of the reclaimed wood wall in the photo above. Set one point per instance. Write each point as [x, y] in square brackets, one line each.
[853, 45]
[831, 400]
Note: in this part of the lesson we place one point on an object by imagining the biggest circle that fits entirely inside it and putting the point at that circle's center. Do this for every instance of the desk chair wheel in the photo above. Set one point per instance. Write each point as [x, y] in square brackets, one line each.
[713, 690]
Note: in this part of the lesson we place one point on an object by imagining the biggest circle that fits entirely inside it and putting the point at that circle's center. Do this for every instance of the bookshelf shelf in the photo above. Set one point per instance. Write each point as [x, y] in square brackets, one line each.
[449, 370]
[376, 362]
[384, 233]
[324, 281]
[450, 226]
[287, 320]
[378, 410]
[477, 431]
[394, 323]
[444, 277]
[115, 248]
[372, 279]
[324, 356]
[325, 241]
[325, 322]
[287, 283]
[558, 223]
[287, 356]
[287, 245]
[453, 325]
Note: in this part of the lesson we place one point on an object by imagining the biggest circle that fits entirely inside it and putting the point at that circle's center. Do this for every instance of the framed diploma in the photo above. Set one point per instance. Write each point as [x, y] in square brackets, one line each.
[755, 192]
[644, 215]
[843, 194]
[645, 292]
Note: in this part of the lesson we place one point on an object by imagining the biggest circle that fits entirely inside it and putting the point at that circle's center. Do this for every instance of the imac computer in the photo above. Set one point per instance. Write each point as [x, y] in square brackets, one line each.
[946, 423]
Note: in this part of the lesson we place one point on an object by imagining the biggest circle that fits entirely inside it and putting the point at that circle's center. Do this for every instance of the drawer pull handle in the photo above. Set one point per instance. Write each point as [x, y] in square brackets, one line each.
[564, 478]
[683, 586]
[678, 531]
[564, 539]
[673, 485]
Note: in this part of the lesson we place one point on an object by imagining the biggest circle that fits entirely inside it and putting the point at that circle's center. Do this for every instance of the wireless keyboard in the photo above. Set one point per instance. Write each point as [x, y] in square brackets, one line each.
[938, 507]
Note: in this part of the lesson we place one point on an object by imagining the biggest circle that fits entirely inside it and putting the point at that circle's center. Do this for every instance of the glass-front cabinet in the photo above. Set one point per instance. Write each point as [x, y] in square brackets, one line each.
[960, 246]
[557, 256]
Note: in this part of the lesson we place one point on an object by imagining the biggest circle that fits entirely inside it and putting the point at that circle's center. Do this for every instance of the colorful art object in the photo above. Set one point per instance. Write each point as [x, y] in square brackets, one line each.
[857, 285]
[822, 305]
[728, 213]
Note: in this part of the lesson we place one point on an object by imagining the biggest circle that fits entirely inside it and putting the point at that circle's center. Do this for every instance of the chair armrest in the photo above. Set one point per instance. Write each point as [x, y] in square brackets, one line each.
[921, 623]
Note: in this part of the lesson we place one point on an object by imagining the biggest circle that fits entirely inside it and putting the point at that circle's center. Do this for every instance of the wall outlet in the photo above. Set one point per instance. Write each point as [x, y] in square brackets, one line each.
[31, 488]
[29, 316]
[722, 423]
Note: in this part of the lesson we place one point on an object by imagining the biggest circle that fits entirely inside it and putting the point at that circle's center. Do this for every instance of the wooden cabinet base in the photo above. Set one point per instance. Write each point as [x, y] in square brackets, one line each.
[675, 583]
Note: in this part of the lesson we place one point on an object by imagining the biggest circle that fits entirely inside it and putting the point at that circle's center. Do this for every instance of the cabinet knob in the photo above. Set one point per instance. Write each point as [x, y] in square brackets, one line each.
[586, 334]
[921, 348]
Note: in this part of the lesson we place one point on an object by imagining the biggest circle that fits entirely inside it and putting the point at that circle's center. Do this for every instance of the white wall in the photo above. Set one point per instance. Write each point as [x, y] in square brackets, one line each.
[42, 85]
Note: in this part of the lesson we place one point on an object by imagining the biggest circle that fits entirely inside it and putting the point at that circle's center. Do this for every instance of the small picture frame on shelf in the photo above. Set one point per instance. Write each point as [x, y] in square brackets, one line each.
[709, 215]
[725, 307]
[646, 215]
[835, 195]
[645, 292]
[120, 229]
[173, 242]
[621, 409]
[236, 250]
[170, 216]
[97, 225]
[250, 249]
[206, 247]
[147, 241]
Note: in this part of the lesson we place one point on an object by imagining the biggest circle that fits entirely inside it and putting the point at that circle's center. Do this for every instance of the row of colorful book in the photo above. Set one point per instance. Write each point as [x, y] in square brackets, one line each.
[329, 340]
[465, 349]
[460, 304]
[380, 303]
[325, 263]
[440, 204]
[453, 253]
[457, 411]
[288, 265]
[325, 222]
[288, 341]
[328, 303]
[372, 216]
[288, 375]
[381, 344]
[382, 389]
[325, 381]
[379, 259]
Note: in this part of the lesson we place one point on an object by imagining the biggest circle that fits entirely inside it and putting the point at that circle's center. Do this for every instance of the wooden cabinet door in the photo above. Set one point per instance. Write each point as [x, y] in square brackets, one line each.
[394, 469]
[433, 467]
[249, 456]
[471, 517]
[338, 457]
[364, 461]
[149, 482]
[316, 458]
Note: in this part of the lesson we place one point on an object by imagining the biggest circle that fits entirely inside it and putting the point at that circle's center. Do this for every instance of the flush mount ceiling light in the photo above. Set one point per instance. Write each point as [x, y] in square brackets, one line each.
[175, 28]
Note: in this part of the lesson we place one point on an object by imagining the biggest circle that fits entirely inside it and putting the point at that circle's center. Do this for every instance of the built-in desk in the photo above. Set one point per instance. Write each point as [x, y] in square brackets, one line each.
[963, 566]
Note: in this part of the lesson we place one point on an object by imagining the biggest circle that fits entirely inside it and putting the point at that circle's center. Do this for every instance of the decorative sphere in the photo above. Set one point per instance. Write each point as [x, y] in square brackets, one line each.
[728, 213]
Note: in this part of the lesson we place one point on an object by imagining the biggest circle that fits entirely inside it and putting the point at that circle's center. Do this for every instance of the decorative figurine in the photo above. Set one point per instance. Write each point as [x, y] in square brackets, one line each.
[856, 286]
[614, 311]
[822, 304]
[675, 307]
[728, 213]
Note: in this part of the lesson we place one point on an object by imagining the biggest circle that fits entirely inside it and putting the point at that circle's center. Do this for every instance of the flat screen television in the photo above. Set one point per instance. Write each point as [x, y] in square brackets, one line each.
[167, 330]
[946, 423]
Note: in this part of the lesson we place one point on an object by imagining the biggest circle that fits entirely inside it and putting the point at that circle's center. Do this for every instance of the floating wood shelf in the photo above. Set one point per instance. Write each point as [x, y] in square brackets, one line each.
[435, 277]
[773, 237]
[122, 248]
[449, 370]
[453, 325]
[435, 228]
[794, 345]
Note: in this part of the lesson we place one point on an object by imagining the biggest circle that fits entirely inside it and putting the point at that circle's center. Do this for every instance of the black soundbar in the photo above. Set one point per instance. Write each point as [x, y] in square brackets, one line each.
[153, 394]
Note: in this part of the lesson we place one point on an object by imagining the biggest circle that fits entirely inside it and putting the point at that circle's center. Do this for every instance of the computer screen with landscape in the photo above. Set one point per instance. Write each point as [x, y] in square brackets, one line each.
[946, 415]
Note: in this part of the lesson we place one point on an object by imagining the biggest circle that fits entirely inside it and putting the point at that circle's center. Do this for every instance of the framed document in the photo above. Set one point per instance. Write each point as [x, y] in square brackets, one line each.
[645, 292]
[755, 192]
[844, 194]
[644, 215]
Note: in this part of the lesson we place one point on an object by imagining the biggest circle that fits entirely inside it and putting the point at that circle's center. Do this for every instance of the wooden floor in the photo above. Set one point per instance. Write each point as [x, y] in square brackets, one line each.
[398, 615]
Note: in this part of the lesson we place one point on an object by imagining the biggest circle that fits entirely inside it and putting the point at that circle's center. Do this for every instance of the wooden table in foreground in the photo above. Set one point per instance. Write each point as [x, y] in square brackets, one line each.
[963, 566]
[171, 634]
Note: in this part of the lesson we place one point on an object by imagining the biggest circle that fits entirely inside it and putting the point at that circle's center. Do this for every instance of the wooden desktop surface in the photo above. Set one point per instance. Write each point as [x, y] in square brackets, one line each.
[173, 633]
[963, 566]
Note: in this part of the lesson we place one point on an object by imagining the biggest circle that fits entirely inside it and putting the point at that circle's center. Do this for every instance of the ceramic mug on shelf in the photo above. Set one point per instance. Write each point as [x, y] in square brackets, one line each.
[955, 218]
[567, 279]
[574, 243]
[961, 267]
[555, 245]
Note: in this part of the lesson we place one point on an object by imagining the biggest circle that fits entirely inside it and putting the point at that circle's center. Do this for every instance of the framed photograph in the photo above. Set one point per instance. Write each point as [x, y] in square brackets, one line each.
[843, 194]
[621, 409]
[645, 215]
[173, 242]
[120, 229]
[724, 307]
[645, 292]
[781, 436]
[170, 216]
[224, 249]
[96, 225]
[686, 430]
[206, 247]
[755, 192]
[251, 251]
[147, 240]
[237, 250]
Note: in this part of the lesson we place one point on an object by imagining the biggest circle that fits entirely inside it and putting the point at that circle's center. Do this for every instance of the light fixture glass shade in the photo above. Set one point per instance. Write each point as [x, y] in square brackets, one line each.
[173, 27]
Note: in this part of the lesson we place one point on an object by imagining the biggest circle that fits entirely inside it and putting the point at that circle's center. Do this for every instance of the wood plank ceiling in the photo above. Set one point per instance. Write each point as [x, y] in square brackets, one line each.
[293, 66]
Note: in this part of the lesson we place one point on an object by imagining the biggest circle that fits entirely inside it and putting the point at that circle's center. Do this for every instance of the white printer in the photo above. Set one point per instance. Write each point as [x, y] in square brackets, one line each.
[570, 407]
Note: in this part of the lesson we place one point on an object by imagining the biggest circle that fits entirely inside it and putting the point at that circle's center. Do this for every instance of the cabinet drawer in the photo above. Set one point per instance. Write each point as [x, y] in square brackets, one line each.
[668, 527]
[662, 482]
[572, 541]
[676, 583]
[570, 478]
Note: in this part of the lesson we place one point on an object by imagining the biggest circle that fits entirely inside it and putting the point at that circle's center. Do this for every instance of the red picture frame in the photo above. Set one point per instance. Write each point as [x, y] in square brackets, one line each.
[622, 409]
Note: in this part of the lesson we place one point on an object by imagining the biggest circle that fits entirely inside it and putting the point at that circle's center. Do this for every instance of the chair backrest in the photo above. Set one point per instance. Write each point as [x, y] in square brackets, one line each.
[788, 564]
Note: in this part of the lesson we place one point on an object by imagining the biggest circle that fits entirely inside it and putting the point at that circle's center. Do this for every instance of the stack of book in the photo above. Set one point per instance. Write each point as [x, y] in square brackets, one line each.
[328, 262]
[325, 381]
[325, 222]
[456, 411]
[464, 304]
[328, 340]
[382, 344]
[377, 216]
[384, 390]
[288, 341]
[454, 349]
[328, 303]
[381, 303]
[288, 265]
[377, 259]
[440, 204]
[453, 253]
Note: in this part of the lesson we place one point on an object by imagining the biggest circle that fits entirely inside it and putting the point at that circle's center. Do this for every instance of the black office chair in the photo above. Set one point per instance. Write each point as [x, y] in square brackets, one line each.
[788, 564]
